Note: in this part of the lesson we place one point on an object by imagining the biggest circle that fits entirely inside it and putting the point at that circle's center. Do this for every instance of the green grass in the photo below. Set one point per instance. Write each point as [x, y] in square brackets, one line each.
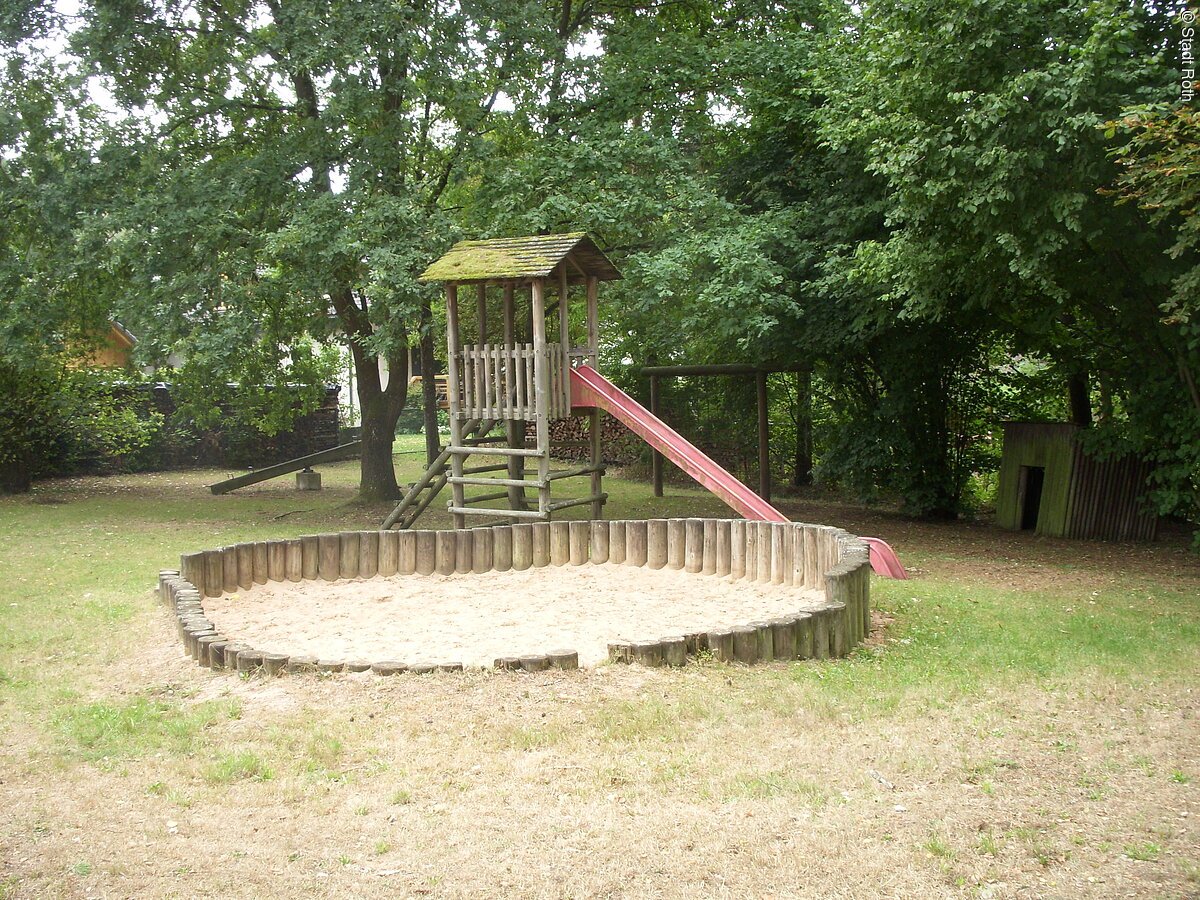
[113, 731]
[238, 765]
[81, 557]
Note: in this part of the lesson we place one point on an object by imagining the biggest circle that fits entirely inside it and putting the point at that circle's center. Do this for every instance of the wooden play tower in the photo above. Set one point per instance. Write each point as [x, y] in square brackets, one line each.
[514, 373]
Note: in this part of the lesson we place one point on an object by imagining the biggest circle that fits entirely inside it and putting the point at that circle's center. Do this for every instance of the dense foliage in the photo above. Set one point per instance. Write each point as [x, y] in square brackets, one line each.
[916, 210]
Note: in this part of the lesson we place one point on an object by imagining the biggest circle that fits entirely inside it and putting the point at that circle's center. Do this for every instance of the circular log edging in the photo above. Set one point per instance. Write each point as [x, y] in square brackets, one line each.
[811, 557]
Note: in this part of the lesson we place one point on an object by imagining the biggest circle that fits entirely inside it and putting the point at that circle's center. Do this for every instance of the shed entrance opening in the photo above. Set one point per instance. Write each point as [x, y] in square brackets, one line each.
[1032, 479]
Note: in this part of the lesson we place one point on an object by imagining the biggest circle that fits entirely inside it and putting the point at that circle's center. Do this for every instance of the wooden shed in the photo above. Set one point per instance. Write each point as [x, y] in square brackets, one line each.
[1049, 485]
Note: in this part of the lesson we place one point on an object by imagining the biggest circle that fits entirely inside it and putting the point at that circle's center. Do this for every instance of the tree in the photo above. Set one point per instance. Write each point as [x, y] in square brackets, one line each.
[285, 168]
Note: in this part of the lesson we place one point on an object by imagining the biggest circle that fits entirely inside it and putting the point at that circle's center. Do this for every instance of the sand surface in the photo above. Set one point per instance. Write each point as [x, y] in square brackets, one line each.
[473, 619]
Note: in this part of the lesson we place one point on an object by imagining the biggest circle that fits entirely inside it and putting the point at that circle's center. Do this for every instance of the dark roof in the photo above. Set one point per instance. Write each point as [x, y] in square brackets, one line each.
[519, 259]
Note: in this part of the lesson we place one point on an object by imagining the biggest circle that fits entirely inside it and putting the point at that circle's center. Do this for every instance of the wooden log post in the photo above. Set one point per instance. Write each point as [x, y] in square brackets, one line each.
[722, 561]
[765, 565]
[368, 554]
[598, 536]
[245, 565]
[674, 650]
[796, 536]
[766, 645]
[616, 543]
[216, 654]
[563, 659]
[693, 550]
[274, 663]
[745, 644]
[560, 543]
[737, 549]
[838, 645]
[534, 663]
[331, 556]
[708, 552]
[249, 661]
[482, 550]
[293, 560]
[720, 644]
[277, 560]
[389, 553]
[752, 551]
[647, 653]
[580, 536]
[502, 548]
[191, 570]
[214, 573]
[348, 563]
[821, 634]
[310, 557]
[656, 544]
[464, 552]
[637, 540]
[232, 650]
[541, 544]
[301, 665]
[676, 543]
[864, 588]
[447, 548]
[781, 562]
[783, 637]
[406, 552]
[805, 636]
[260, 562]
[514, 429]
[522, 547]
[620, 652]
[229, 569]
[425, 552]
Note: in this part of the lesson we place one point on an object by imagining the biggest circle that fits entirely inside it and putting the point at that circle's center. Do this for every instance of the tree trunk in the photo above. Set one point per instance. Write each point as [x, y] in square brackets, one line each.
[802, 473]
[15, 477]
[1079, 396]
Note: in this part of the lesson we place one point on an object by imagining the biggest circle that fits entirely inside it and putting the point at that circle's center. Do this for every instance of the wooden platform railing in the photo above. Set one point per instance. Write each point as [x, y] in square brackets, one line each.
[497, 382]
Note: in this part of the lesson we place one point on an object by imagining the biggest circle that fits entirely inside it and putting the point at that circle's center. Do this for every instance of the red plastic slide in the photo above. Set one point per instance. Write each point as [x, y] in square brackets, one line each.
[591, 389]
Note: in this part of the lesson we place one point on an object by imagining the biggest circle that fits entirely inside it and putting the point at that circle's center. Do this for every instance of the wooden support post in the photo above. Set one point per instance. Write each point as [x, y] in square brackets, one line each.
[245, 566]
[593, 359]
[722, 563]
[453, 387]
[260, 560]
[514, 429]
[737, 548]
[483, 550]
[349, 554]
[805, 633]
[564, 326]
[276, 560]
[541, 544]
[464, 550]
[446, 548]
[541, 392]
[764, 438]
[656, 458]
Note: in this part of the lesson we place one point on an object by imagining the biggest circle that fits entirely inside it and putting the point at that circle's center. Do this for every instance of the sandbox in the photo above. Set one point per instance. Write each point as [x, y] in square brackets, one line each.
[526, 597]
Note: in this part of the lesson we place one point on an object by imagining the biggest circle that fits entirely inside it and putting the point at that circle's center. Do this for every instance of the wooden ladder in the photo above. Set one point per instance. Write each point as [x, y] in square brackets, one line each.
[426, 488]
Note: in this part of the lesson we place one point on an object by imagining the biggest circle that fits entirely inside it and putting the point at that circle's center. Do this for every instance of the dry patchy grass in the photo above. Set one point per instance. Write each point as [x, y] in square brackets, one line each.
[1027, 726]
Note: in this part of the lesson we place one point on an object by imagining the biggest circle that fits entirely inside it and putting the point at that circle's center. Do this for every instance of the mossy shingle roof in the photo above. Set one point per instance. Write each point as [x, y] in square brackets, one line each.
[517, 259]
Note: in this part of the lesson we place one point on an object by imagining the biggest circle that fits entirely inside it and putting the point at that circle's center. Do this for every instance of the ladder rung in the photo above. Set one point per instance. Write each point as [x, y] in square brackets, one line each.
[576, 501]
[501, 513]
[571, 473]
[495, 467]
[495, 451]
[484, 498]
[503, 482]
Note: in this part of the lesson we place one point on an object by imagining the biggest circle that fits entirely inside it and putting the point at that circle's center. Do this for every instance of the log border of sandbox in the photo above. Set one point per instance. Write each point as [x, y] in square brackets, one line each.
[809, 557]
